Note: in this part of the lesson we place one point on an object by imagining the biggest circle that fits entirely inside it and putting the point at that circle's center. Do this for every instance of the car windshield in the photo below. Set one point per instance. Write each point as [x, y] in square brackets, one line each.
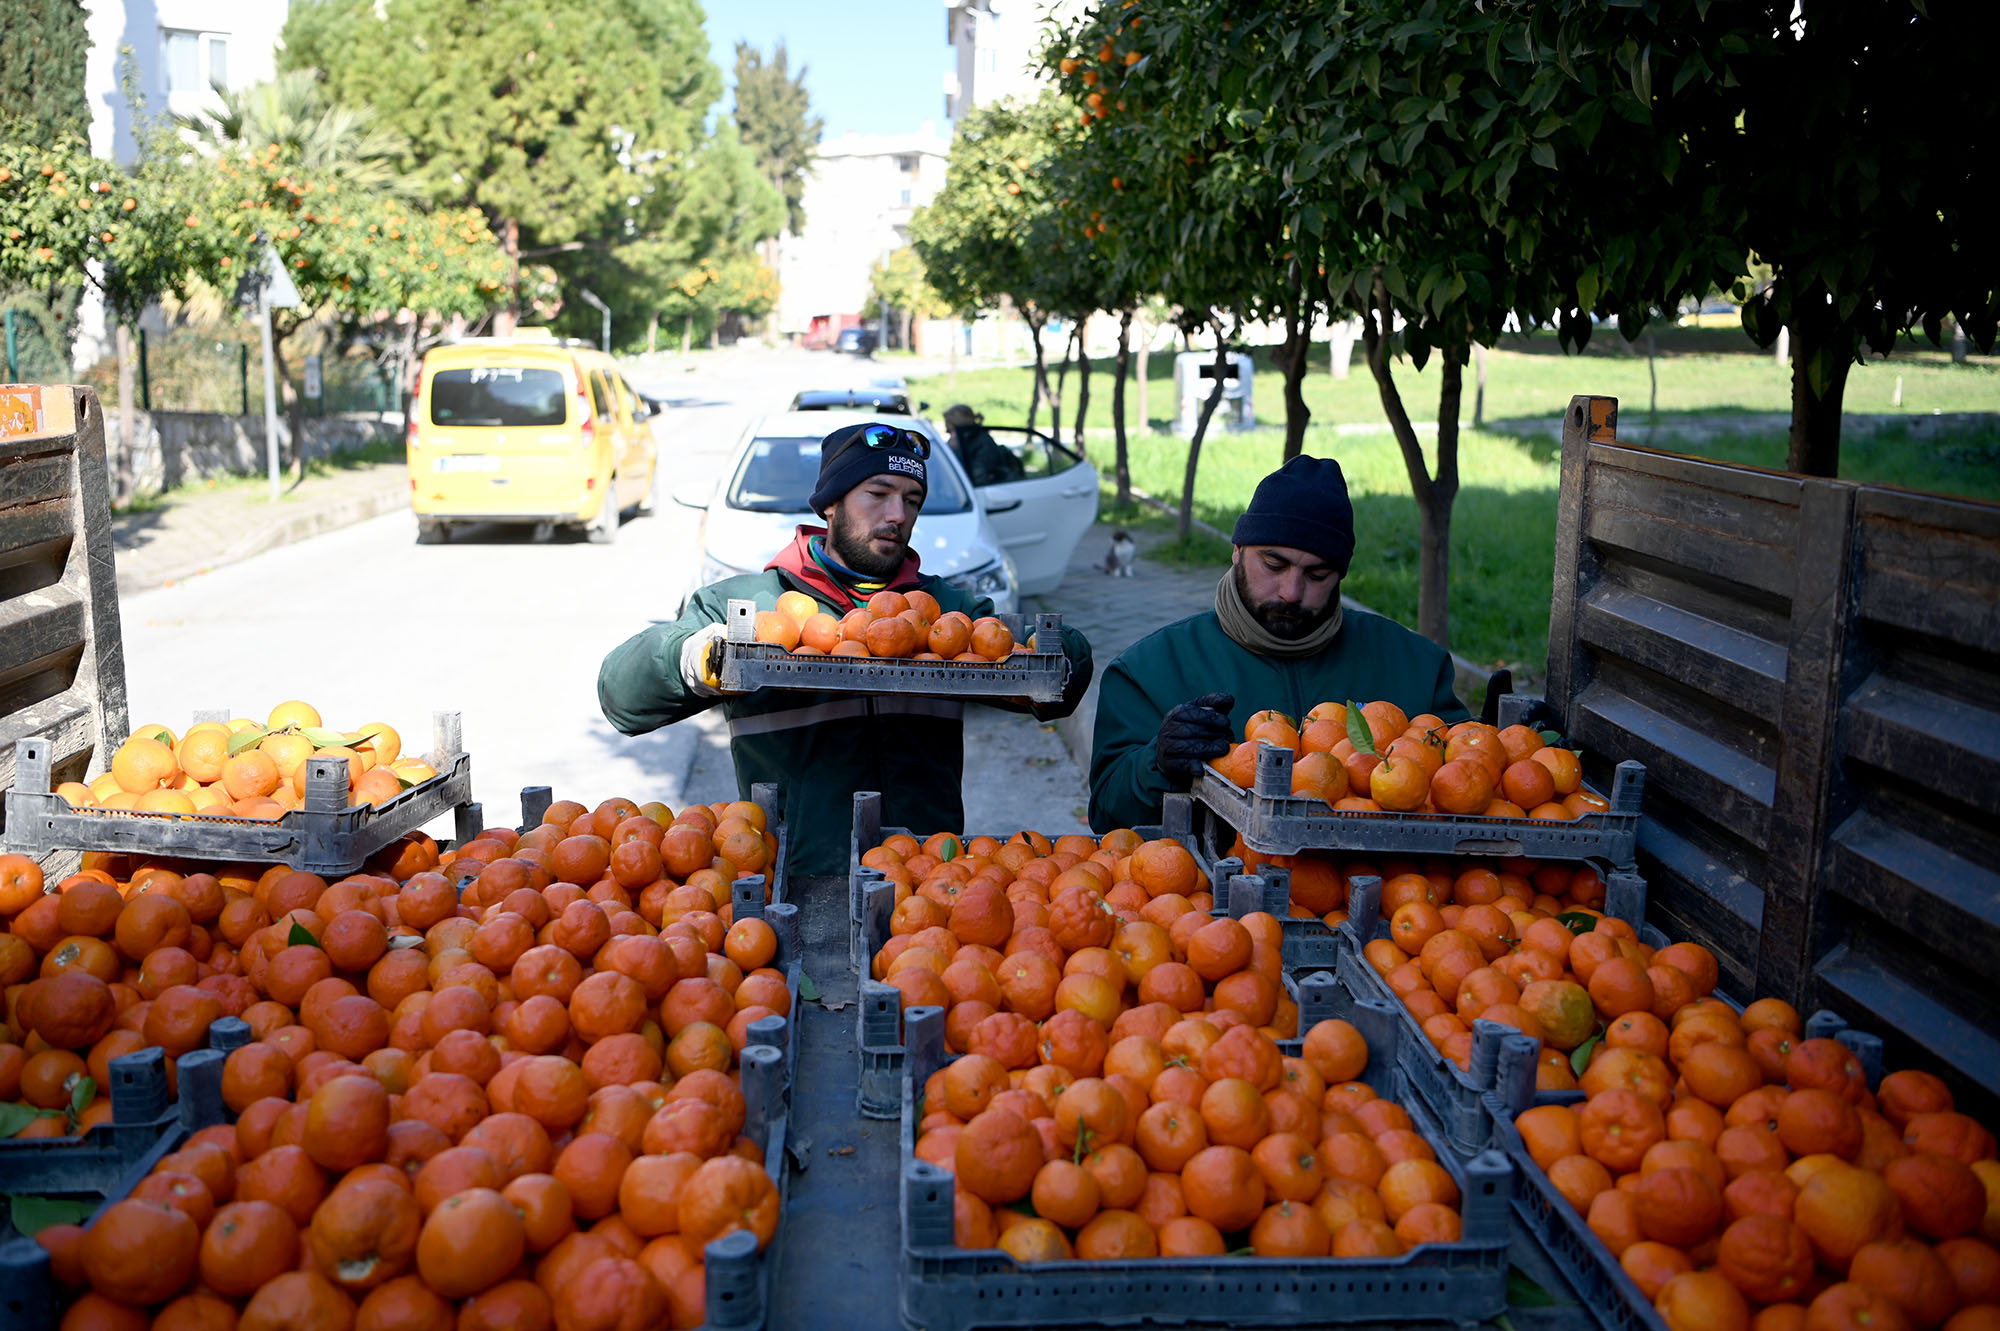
[848, 399]
[508, 396]
[777, 475]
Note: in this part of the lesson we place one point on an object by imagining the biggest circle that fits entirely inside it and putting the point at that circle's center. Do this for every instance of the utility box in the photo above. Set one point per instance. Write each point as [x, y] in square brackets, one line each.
[1194, 379]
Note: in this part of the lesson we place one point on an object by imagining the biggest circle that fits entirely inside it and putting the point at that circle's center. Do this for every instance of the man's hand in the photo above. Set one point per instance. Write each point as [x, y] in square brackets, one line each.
[701, 661]
[1193, 733]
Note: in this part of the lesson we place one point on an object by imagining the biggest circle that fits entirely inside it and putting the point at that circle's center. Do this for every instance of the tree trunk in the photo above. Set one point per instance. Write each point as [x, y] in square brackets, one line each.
[505, 320]
[1815, 441]
[687, 335]
[1434, 498]
[1035, 320]
[1122, 465]
[652, 332]
[1292, 358]
[909, 320]
[1184, 527]
[1082, 393]
[1145, 355]
[1062, 382]
[128, 411]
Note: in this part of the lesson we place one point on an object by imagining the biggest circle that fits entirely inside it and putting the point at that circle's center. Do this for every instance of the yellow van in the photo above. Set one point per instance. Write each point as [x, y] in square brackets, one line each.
[529, 429]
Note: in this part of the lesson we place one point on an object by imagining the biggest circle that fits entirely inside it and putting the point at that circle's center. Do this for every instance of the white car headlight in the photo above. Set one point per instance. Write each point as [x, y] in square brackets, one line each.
[987, 580]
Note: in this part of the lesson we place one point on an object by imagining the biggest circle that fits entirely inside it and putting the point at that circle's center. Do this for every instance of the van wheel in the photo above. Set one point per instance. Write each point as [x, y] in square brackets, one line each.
[432, 533]
[603, 529]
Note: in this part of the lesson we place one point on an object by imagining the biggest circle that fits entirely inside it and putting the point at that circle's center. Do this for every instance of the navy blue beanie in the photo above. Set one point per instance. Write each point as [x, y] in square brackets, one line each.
[842, 467]
[1303, 505]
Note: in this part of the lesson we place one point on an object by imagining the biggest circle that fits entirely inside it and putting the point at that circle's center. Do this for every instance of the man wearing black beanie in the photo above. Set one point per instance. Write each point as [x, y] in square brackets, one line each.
[1278, 638]
[819, 748]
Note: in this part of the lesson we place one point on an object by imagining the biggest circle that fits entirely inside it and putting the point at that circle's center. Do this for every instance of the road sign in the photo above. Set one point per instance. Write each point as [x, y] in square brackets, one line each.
[269, 277]
[312, 375]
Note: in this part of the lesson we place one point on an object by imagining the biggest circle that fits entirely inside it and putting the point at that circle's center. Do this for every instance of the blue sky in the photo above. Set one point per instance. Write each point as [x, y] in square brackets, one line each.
[874, 68]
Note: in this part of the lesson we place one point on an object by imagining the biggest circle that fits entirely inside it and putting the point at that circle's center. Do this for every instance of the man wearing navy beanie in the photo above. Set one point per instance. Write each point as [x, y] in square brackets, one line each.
[820, 748]
[1278, 638]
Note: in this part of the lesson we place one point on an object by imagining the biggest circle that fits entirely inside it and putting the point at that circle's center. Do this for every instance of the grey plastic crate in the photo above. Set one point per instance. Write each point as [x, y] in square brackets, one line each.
[141, 1112]
[535, 802]
[1454, 1095]
[1274, 821]
[872, 899]
[1039, 675]
[325, 836]
[948, 1288]
[62, 1169]
[1599, 1282]
[739, 1276]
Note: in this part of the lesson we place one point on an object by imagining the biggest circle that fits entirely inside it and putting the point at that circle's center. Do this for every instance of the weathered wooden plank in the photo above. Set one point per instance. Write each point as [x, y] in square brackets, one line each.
[1816, 661]
[37, 626]
[1696, 651]
[1878, 999]
[1732, 789]
[1698, 530]
[32, 527]
[68, 720]
[28, 479]
[1933, 569]
[1760, 483]
[94, 566]
[1931, 742]
[1576, 564]
[1694, 894]
[1947, 902]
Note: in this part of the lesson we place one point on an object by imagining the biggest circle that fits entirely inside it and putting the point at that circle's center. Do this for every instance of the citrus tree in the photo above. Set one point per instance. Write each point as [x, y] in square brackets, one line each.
[1450, 170]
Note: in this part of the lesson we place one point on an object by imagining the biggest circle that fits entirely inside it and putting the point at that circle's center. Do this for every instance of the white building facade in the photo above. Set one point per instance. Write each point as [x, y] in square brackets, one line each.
[994, 45]
[179, 50]
[859, 198]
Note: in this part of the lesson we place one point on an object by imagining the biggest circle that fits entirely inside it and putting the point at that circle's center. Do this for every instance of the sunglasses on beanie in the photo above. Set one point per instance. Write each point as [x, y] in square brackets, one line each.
[889, 437]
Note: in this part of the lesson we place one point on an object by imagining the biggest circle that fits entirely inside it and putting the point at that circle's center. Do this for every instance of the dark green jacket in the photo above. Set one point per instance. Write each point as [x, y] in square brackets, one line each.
[1371, 658]
[819, 748]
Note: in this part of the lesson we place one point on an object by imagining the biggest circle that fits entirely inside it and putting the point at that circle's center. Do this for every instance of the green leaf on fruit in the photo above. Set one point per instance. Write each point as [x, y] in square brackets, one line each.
[1579, 1058]
[1524, 1292]
[32, 1215]
[807, 989]
[1241, 1252]
[1550, 736]
[950, 849]
[81, 1094]
[1577, 921]
[1358, 733]
[405, 940]
[14, 1117]
[162, 735]
[321, 738]
[244, 740]
[300, 936]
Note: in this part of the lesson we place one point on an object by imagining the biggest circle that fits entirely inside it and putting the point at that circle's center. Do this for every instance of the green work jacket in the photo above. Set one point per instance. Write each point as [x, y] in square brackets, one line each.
[1370, 658]
[819, 748]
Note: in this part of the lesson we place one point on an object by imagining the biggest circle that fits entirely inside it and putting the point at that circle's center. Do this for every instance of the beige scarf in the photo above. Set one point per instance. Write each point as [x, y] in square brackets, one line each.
[1242, 626]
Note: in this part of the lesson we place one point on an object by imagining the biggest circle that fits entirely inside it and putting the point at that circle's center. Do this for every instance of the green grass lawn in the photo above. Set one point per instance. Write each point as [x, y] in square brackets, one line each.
[1503, 525]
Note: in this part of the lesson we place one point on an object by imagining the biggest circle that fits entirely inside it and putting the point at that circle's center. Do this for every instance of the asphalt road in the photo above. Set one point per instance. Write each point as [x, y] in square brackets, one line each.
[367, 625]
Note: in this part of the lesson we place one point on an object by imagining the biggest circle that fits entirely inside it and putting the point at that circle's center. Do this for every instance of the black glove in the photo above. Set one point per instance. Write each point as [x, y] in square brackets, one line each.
[1193, 733]
[1542, 717]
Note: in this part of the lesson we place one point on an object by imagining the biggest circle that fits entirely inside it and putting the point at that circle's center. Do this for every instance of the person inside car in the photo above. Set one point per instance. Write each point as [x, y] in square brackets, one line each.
[985, 461]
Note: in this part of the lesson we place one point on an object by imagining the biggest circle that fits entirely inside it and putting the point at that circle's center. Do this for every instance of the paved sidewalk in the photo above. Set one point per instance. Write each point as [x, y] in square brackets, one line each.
[1114, 613]
[195, 530]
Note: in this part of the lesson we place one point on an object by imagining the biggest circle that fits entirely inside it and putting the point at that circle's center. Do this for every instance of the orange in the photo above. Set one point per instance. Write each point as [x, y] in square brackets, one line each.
[1843, 1209]
[470, 1243]
[1701, 1301]
[140, 1251]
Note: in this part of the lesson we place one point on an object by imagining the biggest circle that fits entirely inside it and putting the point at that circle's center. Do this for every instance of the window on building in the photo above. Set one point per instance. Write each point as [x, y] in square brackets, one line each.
[193, 61]
[906, 198]
[906, 162]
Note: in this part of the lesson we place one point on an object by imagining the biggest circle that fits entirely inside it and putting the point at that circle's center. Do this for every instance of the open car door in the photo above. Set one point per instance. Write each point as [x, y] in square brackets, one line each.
[1040, 497]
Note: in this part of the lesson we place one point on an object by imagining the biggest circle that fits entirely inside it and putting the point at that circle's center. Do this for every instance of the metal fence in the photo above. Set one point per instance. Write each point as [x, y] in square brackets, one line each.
[189, 370]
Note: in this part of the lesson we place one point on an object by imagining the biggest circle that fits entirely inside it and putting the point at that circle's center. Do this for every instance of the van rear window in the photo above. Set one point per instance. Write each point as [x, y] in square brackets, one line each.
[509, 396]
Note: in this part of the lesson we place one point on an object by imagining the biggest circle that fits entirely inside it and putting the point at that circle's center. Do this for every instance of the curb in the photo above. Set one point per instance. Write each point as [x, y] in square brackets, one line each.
[269, 536]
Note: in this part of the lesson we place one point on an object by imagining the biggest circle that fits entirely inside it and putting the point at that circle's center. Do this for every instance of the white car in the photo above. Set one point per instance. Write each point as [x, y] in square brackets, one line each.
[1001, 540]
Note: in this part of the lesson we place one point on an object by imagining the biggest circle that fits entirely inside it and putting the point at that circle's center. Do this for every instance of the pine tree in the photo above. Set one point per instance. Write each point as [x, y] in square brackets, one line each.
[41, 76]
[773, 112]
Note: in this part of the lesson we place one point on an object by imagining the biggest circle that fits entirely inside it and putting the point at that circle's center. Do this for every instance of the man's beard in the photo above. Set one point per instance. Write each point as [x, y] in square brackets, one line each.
[1280, 619]
[849, 543]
